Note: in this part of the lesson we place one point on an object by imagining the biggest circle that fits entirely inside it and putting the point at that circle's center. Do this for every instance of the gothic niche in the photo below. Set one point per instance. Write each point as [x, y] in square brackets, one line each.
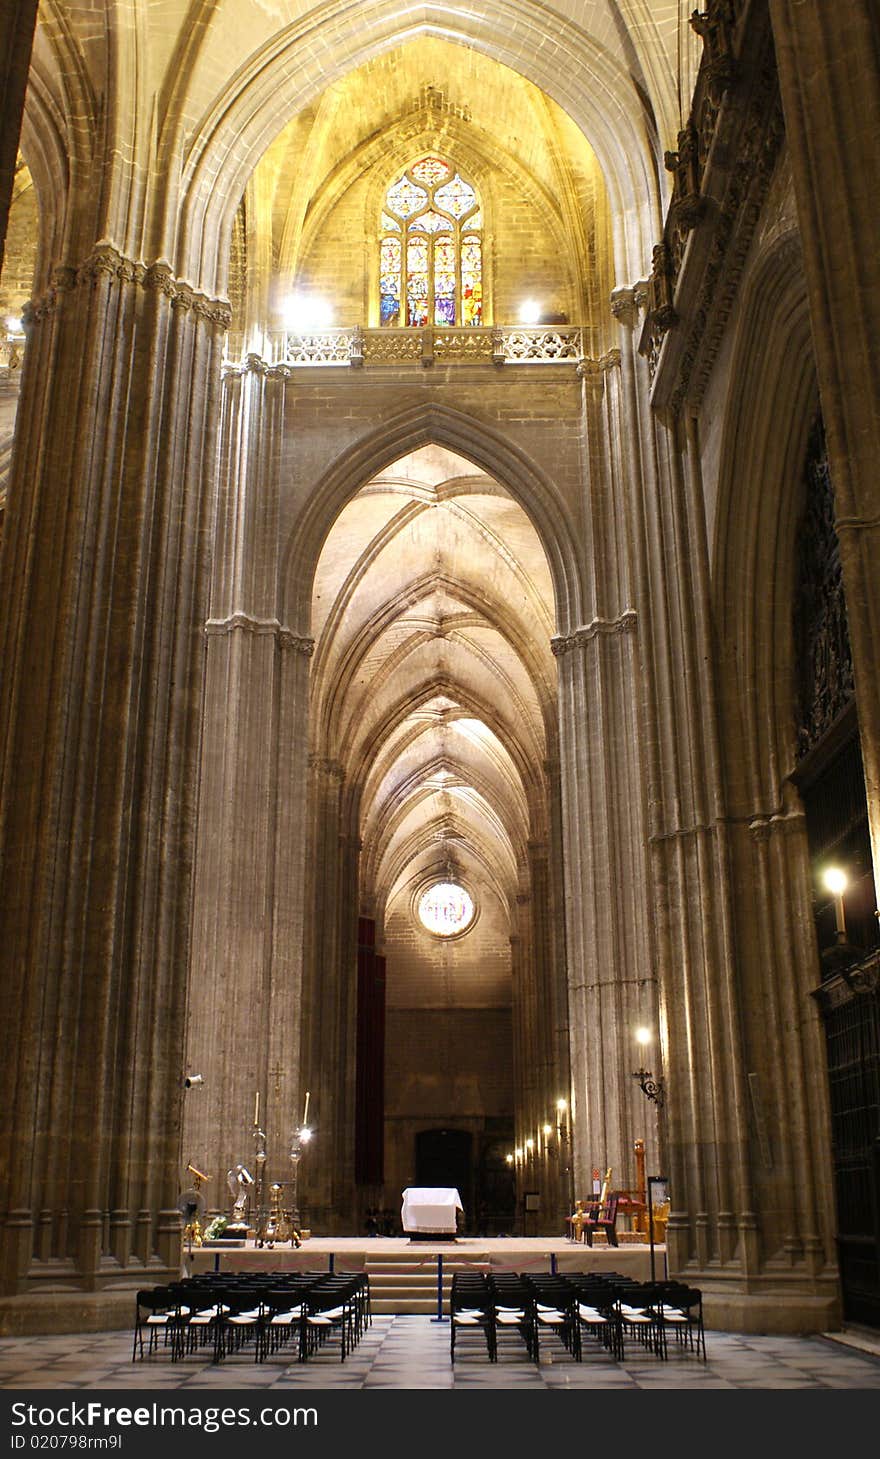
[823, 658]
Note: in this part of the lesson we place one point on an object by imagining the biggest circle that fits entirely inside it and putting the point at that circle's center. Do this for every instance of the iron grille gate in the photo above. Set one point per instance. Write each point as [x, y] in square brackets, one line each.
[851, 1011]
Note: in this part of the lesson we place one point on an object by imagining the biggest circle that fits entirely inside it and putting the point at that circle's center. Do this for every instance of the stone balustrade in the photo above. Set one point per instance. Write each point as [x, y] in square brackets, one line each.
[499, 345]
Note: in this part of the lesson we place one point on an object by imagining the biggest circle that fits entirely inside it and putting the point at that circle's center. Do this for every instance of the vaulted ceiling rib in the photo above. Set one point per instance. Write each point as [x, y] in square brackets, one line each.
[433, 683]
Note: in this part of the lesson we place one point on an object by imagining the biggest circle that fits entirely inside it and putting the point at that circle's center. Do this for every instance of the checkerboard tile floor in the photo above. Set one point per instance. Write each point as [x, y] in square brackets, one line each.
[413, 1352]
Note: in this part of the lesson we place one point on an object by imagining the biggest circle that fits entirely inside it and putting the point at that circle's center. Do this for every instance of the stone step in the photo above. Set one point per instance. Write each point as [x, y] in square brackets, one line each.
[407, 1285]
[404, 1306]
[422, 1265]
[400, 1286]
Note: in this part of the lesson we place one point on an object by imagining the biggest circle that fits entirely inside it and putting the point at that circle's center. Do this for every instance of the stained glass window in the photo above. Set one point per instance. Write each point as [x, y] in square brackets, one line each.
[445, 909]
[389, 280]
[417, 283]
[405, 198]
[444, 280]
[457, 197]
[430, 222]
[430, 171]
[471, 279]
[435, 274]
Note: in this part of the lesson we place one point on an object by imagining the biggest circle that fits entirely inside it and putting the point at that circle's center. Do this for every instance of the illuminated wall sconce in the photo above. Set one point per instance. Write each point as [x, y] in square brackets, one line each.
[653, 1089]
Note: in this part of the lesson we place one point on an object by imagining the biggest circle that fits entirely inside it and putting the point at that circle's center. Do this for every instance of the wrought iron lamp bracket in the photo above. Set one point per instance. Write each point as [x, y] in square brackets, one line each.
[653, 1089]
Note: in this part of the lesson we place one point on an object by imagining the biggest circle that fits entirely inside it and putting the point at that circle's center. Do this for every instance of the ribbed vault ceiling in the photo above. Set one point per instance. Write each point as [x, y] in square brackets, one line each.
[433, 683]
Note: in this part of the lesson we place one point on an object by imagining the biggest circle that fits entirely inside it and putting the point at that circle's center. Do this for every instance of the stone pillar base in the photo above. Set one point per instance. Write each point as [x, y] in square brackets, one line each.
[56, 1312]
[770, 1312]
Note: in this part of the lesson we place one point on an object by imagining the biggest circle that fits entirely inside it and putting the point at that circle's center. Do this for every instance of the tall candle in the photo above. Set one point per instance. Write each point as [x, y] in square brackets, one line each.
[257, 1108]
[306, 1110]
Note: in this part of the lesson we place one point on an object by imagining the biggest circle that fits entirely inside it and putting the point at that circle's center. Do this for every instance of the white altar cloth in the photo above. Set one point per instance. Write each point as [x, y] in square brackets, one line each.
[430, 1209]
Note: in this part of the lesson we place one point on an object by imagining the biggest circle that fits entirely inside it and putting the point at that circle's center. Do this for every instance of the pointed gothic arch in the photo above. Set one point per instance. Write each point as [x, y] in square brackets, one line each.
[467, 436]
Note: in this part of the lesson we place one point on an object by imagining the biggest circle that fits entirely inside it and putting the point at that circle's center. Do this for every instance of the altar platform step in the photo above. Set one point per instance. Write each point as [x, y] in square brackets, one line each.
[409, 1284]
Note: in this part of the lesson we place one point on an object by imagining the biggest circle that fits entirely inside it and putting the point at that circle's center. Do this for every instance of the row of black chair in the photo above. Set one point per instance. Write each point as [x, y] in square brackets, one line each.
[294, 1313]
[609, 1308]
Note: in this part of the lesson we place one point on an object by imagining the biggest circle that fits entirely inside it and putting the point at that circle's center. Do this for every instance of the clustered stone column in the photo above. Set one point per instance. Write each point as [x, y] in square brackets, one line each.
[330, 992]
[729, 889]
[539, 1022]
[705, 1115]
[245, 1005]
[611, 987]
[104, 577]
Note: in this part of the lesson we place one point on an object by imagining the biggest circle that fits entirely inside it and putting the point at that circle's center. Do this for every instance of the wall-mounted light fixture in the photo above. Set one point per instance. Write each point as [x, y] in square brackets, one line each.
[653, 1089]
[836, 881]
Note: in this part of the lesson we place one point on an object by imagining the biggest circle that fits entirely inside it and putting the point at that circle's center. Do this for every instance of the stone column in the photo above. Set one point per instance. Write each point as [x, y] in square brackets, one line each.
[330, 998]
[794, 1196]
[611, 983]
[829, 76]
[244, 1006]
[732, 930]
[104, 575]
[548, 1014]
[702, 1135]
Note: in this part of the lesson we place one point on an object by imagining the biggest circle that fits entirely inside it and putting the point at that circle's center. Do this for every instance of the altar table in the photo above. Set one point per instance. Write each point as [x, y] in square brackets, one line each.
[430, 1209]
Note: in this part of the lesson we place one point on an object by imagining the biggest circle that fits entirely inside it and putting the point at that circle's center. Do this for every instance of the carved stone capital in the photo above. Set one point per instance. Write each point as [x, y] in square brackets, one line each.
[296, 642]
[626, 304]
[323, 765]
[63, 279]
[260, 627]
[107, 262]
[254, 364]
[600, 627]
[594, 370]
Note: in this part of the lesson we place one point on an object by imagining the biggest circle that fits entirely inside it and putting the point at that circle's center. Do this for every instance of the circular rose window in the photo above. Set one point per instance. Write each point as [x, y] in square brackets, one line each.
[446, 909]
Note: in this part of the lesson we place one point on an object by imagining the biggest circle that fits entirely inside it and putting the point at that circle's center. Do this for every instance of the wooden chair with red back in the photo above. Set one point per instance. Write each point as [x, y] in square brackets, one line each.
[603, 1218]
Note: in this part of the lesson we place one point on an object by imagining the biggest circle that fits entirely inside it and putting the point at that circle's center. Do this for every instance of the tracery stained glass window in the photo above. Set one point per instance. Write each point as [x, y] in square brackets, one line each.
[471, 279]
[404, 198]
[430, 171]
[389, 279]
[417, 280]
[446, 909]
[442, 281]
[430, 222]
